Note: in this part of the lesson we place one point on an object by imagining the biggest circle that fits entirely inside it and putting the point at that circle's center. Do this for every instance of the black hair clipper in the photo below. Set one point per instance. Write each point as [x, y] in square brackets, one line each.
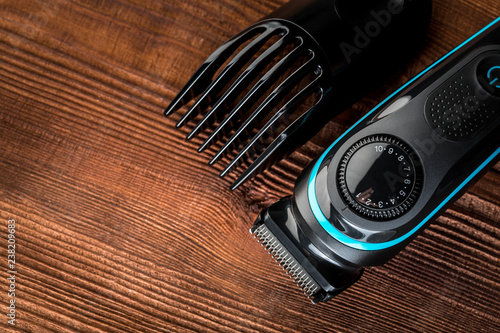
[392, 173]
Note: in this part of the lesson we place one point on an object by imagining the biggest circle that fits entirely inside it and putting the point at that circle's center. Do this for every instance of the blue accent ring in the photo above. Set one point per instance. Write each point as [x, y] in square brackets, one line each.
[311, 189]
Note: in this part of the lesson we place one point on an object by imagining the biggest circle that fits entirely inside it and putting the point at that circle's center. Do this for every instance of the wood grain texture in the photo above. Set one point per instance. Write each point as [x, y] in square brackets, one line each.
[121, 228]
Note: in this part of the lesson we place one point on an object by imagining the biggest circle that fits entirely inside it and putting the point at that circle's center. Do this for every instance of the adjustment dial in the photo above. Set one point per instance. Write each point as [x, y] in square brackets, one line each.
[380, 177]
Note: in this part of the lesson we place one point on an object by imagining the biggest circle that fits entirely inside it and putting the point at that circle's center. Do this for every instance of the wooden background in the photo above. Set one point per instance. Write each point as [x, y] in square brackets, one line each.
[122, 228]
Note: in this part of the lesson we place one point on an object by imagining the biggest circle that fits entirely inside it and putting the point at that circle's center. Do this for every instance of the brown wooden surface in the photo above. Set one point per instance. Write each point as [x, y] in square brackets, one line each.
[121, 227]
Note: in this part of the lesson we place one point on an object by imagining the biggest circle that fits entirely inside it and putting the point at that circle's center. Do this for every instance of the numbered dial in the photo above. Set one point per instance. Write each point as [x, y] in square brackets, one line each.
[379, 177]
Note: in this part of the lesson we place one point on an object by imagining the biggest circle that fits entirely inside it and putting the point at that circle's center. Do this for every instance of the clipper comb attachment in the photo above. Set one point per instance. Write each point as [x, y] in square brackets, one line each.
[271, 87]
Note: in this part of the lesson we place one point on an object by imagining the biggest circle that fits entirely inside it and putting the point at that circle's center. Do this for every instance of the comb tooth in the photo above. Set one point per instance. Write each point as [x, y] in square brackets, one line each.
[296, 271]
[287, 108]
[260, 87]
[230, 70]
[247, 76]
[273, 98]
[277, 144]
[202, 77]
[274, 147]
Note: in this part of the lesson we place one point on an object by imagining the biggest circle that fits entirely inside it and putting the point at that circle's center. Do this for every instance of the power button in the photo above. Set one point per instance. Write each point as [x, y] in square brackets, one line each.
[488, 74]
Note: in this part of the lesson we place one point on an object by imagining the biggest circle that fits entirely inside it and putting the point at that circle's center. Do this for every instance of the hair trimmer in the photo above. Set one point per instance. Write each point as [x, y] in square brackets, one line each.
[392, 173]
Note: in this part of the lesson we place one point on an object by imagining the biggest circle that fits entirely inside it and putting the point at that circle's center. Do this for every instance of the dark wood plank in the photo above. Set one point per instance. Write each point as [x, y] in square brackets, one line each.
[121, 227]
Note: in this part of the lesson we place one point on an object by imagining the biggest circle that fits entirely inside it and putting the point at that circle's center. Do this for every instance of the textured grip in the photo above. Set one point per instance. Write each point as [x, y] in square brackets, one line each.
[460, 108]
